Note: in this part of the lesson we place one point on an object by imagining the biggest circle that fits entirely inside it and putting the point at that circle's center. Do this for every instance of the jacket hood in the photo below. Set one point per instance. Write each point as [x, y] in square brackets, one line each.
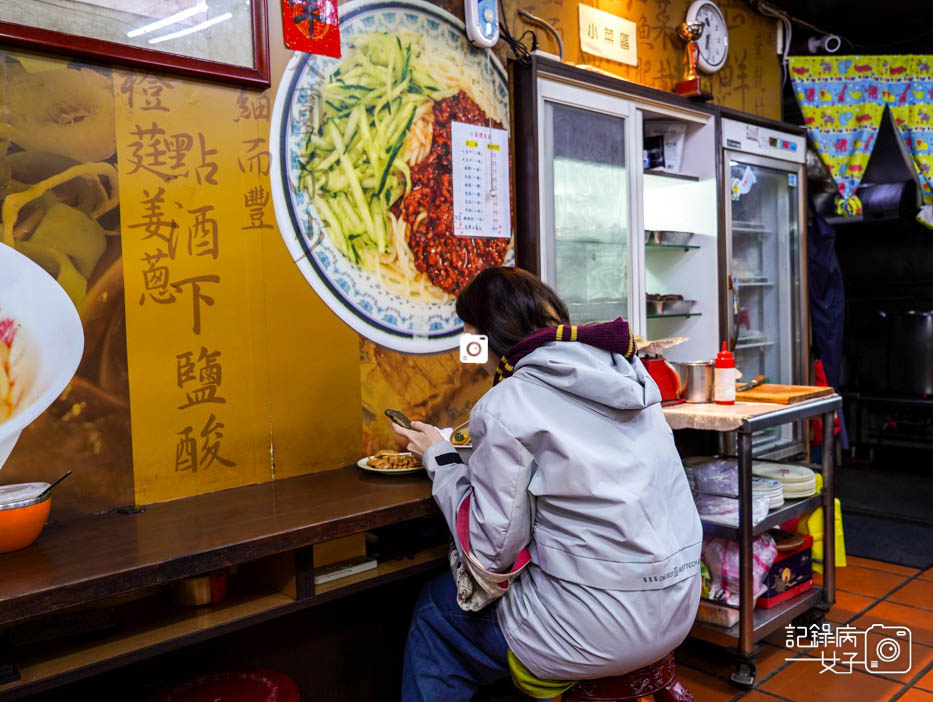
[606, 381]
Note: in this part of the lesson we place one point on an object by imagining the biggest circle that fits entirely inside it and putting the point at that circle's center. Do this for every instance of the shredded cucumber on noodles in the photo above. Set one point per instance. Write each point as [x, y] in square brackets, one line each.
[354, 166]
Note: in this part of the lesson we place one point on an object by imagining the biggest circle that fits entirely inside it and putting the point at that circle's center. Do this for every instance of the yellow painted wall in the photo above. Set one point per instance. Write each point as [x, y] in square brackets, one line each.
[290, 381]
[750, 80]
[313, 369]
[302, 391]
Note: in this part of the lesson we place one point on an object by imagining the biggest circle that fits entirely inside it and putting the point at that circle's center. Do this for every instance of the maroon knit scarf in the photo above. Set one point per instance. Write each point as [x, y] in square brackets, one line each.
[611, 336]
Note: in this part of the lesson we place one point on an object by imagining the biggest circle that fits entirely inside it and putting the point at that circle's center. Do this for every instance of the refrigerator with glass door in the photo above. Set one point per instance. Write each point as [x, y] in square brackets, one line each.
[583, 221]
[764, 293]
[587, 205]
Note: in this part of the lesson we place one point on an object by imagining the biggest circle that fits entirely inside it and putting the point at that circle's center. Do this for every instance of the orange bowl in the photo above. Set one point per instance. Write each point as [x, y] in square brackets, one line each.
[20, 526]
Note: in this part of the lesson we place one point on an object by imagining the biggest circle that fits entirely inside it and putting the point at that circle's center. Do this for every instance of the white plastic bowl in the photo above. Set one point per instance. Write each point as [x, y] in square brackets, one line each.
[48, 345]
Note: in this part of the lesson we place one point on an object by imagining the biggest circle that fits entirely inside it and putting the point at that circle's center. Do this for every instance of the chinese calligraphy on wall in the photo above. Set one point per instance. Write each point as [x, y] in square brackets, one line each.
[196, 200]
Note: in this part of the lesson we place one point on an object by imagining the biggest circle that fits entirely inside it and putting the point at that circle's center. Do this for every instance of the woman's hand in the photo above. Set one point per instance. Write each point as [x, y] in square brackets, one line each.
[420, 437]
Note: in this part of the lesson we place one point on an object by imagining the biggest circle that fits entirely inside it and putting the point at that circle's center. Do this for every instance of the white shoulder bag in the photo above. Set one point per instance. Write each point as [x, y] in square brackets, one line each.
[476, 586]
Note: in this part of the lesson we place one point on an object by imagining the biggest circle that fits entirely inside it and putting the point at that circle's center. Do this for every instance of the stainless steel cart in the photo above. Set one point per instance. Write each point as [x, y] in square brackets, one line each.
[745, 419]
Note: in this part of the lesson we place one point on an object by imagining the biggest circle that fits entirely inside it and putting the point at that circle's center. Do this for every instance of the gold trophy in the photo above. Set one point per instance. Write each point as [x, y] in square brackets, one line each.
[692, 86]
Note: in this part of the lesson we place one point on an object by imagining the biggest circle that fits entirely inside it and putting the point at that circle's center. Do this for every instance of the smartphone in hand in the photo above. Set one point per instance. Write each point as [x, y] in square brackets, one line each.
[398, 418]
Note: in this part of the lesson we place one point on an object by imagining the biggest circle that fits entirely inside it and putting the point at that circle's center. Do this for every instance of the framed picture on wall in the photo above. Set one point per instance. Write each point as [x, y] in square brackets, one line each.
[223, 40]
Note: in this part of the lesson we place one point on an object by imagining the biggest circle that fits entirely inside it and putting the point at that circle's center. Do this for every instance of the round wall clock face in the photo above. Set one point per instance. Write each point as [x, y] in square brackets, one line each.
[714, 44]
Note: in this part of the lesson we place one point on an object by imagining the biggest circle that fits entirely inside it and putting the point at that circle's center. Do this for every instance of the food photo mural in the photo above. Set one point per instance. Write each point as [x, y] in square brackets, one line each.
[362, 172]
[59, 204]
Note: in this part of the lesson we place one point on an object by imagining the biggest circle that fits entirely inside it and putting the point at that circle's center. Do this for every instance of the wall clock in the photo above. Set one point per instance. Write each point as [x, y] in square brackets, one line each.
[713, 45]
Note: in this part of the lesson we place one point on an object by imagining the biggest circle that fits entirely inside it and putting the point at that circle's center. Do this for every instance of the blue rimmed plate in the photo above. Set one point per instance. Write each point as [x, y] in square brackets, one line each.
[356, 296]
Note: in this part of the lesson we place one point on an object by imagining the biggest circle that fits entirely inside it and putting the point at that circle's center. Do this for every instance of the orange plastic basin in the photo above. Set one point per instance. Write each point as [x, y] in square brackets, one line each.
[20, 526]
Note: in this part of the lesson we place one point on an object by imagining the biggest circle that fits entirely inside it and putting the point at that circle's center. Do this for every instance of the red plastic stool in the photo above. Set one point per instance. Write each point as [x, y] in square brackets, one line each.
[261, 685]
[658, 679]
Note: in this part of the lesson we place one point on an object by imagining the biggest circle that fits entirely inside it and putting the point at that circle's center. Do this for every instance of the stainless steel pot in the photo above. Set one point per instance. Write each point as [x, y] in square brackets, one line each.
[910, 352]
[696, 380]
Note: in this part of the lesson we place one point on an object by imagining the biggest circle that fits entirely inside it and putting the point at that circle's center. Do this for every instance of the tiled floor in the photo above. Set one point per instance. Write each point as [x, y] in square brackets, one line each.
[870, 595]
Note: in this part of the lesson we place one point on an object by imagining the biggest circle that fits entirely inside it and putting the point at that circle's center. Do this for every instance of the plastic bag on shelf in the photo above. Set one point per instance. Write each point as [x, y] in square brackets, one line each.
[725, 510]
[718, 476]
[721, 557]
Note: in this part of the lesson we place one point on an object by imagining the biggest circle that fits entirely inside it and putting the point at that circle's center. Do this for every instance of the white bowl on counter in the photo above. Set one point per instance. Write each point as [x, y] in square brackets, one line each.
[47, 346]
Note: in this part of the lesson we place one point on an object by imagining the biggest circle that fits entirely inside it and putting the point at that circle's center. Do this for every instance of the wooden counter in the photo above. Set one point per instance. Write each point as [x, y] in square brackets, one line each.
[709, 416]
[100, 557]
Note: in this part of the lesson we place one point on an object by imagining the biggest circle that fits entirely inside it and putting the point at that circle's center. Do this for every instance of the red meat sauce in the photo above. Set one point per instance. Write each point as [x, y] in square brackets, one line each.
[449, 261]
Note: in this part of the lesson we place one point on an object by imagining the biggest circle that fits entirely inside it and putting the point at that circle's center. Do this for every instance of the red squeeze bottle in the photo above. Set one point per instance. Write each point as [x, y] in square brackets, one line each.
[724, 377]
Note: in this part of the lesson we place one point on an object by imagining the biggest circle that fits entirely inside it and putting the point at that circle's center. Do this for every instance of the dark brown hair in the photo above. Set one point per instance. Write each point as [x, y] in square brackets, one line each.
[508, 304]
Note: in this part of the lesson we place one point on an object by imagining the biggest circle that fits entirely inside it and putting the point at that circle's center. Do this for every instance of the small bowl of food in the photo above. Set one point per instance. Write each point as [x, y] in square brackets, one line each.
[24, 509]
[460, 438]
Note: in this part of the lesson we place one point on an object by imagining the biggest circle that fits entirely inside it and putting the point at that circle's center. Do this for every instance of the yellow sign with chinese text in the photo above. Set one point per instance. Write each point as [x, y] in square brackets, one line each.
[195, 204]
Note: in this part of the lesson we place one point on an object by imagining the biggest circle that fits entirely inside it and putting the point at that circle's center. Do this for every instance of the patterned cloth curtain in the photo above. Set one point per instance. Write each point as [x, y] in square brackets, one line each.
[911, 107]
[842, 104]
[842, 99]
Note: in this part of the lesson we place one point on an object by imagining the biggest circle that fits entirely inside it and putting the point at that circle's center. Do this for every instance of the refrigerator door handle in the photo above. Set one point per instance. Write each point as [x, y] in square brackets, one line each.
[734, 329]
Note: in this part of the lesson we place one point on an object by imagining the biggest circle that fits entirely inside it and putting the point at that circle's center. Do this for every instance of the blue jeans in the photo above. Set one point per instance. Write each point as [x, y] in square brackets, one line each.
[450, 653]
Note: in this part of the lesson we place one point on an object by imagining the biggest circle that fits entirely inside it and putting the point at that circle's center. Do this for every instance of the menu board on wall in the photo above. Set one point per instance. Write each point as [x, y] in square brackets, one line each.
[480, 181]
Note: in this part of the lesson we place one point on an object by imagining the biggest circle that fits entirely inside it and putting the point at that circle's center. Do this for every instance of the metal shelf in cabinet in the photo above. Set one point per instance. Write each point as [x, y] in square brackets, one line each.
[753, 344]
[767, 621]
[661, 247]
[671, 174]
[789, 510]
[670, 316]
[748, 228]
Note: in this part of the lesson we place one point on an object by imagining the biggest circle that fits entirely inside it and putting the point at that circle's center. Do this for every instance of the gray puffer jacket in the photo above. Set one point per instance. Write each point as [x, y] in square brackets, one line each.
[573, 458]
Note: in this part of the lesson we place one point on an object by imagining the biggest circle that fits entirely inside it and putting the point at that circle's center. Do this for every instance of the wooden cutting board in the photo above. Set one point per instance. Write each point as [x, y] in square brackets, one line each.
[783, 394]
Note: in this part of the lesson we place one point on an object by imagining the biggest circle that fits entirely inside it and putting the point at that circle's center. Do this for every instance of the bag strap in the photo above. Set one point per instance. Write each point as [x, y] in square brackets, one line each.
[463, 536]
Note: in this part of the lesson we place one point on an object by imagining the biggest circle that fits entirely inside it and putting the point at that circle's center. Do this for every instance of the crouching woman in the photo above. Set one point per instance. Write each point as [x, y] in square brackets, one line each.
[575, 483]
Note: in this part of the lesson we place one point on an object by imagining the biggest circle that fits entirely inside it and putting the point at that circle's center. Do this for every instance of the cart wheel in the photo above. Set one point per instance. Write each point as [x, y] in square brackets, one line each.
[744, 675]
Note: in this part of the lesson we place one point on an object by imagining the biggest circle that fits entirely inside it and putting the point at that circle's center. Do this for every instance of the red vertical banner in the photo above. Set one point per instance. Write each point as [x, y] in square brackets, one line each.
[311, 26]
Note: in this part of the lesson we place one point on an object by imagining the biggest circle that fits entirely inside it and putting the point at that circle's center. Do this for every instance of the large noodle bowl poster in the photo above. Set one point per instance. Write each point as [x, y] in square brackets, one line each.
[362, 173]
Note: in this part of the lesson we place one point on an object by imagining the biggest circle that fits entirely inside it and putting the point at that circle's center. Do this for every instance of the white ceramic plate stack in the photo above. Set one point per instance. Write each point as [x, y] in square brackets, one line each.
[772, 489]
[796, 481]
